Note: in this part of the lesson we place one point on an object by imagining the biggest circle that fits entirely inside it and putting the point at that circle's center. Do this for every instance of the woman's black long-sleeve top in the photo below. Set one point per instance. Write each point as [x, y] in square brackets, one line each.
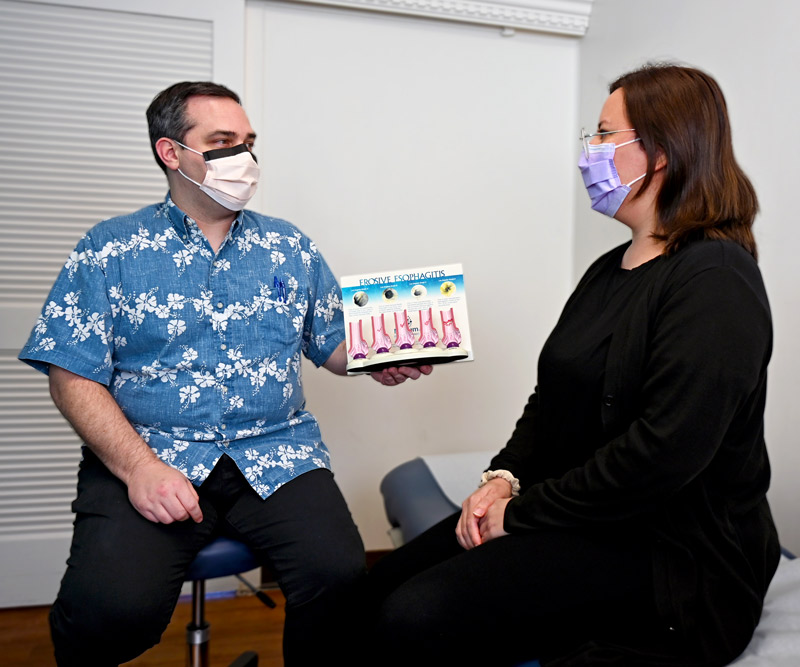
[648, 416]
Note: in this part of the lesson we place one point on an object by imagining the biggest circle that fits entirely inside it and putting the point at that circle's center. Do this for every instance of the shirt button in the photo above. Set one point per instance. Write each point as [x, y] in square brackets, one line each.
[223, 427]
[224, 391]
[608, 401]
[223, 347]
[220, 304]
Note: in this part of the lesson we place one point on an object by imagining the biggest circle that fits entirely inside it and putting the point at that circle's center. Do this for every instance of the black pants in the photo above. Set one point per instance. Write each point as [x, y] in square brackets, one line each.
[512, 599]
[124, 573]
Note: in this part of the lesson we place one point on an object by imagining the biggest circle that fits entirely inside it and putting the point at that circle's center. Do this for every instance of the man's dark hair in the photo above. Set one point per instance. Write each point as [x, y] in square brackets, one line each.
[166, 115]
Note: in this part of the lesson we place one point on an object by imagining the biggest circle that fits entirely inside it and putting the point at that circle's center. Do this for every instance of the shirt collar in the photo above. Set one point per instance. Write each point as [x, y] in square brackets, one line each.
[182, 223]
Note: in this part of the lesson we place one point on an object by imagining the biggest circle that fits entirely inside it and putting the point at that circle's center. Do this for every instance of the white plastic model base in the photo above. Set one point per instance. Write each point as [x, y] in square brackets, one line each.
[415, 356]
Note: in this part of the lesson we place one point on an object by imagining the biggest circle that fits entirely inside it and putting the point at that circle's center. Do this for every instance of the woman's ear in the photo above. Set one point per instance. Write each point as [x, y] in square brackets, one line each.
[661, 160]
[165, 148]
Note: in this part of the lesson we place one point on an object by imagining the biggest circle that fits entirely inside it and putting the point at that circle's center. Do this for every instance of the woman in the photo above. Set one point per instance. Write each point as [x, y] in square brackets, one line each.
[626, 520]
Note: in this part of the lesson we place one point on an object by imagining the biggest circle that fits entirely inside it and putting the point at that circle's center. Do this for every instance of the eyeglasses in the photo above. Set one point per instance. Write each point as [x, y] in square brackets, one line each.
[585, 137]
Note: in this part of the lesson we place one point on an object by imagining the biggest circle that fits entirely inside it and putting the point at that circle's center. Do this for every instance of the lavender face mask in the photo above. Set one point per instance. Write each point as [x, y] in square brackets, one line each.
[600, 177]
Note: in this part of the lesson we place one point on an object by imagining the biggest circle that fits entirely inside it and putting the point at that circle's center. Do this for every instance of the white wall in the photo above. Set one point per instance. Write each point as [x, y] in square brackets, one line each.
[752, 50]
[400, 142]
[397, 142]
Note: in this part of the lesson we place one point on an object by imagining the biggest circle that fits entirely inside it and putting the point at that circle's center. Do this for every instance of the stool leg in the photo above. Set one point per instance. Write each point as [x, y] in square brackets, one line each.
[197, 630]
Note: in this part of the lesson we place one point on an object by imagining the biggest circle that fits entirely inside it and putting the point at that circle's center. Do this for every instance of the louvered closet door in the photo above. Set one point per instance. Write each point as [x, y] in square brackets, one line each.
[76, 79]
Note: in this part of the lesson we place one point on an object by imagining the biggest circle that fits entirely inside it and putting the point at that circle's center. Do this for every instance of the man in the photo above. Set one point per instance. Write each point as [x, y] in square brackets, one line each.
[172, 339]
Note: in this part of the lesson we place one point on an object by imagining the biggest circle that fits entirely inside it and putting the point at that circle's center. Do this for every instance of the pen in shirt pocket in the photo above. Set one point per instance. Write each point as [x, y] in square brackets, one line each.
[280, 287]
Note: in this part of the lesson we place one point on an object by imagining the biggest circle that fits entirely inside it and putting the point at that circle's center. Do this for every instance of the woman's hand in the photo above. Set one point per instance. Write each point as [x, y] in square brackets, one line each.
[476, 507]
[491, 525]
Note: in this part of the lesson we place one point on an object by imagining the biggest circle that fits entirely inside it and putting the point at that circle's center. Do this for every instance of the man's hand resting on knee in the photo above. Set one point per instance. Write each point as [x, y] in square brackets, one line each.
[159, 493]
[162, 494]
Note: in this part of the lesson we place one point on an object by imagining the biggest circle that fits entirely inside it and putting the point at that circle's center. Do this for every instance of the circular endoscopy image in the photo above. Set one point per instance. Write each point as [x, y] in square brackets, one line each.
[418, 291]
[390, 294]
[448, 288]
[360, 299]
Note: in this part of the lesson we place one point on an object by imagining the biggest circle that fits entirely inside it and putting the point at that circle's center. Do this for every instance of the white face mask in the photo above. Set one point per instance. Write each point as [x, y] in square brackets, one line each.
[231, 176]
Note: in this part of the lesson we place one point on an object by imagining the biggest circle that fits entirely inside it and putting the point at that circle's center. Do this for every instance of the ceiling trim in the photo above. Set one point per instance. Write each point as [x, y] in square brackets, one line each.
[564, 17]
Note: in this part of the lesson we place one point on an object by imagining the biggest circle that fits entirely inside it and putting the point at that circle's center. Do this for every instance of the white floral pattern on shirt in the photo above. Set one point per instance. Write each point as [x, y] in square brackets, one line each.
[202, 350]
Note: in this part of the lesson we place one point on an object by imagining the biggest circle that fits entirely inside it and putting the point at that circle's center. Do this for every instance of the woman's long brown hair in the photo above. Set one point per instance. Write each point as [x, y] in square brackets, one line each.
[680, 113]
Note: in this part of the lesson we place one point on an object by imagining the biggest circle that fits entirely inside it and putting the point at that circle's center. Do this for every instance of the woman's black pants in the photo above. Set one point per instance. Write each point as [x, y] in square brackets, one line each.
[512, 599]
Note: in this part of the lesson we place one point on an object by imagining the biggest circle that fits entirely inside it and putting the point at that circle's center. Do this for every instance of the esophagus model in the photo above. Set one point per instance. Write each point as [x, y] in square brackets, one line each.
[428, 335]
[358, 346]
[404, 339]
[451, 336]
[380, 339]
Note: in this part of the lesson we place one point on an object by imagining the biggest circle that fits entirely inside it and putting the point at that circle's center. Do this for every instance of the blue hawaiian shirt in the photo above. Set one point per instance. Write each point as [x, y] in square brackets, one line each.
[200, 350]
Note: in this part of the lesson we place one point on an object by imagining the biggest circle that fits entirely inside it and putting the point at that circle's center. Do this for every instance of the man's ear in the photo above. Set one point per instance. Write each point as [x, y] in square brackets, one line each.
[165, 148]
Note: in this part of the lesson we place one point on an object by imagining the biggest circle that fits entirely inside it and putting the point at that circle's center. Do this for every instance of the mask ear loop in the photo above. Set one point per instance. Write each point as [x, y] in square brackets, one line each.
[635, 180]
[186, 147]
[191, 180]
[627, 142]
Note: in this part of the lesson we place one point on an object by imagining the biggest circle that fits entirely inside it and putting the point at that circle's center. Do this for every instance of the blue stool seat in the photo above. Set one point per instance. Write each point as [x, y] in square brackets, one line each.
[221, 558]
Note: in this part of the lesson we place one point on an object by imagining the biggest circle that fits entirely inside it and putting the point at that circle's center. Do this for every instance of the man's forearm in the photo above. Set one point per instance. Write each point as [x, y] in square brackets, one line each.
[159, 493]
[337, 362]
[97, 418]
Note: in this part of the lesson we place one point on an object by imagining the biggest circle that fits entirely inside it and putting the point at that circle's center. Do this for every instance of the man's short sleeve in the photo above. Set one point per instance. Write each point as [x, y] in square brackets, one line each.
[75, 328]
[324, 323]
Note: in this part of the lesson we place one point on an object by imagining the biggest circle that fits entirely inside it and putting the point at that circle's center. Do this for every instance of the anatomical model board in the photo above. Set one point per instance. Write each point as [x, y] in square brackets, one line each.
[406, 317]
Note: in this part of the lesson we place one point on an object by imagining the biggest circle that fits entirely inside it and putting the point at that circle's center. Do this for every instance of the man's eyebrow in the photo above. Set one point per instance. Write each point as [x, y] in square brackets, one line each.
[230, 133]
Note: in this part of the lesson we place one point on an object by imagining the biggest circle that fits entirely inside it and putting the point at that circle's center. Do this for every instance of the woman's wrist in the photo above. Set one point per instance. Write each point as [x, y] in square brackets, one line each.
[501, 474]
